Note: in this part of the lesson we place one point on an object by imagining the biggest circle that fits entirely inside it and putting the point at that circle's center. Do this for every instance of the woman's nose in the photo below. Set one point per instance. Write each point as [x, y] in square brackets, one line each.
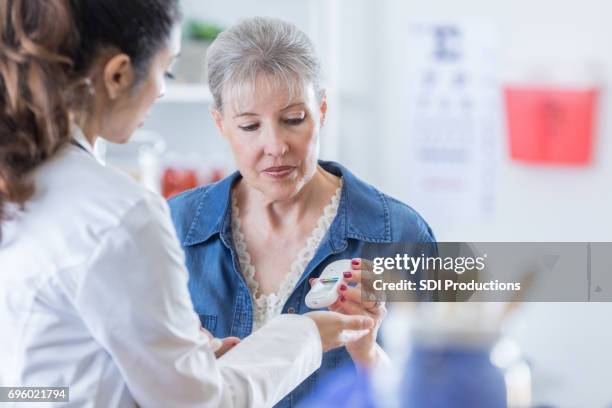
[275, 144]
[162, 91]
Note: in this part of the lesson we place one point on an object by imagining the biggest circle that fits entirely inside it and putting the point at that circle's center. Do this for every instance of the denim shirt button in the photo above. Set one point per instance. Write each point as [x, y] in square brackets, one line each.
[291, 310]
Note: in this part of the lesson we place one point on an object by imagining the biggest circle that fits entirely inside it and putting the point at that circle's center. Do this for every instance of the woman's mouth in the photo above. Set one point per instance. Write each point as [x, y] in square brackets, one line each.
[279, 172]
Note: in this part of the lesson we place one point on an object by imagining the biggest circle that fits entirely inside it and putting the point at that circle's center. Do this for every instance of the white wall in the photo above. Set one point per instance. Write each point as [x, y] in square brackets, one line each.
[549, 203]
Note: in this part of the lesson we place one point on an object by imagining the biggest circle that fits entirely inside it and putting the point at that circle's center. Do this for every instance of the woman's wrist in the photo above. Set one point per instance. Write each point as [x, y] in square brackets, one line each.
[366, 357]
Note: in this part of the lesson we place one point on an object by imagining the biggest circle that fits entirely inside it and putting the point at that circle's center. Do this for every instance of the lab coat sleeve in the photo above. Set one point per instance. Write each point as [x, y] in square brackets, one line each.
[132, 295]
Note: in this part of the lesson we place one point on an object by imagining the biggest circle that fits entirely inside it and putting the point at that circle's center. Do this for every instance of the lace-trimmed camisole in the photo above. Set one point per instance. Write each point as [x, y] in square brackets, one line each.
[267, 306]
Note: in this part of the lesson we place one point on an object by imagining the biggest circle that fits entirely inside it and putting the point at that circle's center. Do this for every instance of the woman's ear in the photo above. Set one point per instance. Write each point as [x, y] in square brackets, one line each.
[323, 108]
[218, 118]
[118, 75]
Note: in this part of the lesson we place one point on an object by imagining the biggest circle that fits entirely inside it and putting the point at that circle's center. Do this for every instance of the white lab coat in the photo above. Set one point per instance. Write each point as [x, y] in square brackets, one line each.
[93, 296]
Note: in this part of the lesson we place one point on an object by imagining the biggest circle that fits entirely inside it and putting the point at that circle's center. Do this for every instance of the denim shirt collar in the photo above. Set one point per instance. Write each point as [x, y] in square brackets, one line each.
[359, 204]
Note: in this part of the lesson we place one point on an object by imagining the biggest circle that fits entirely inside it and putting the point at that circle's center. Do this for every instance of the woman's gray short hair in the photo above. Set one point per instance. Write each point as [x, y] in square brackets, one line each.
[262, 45]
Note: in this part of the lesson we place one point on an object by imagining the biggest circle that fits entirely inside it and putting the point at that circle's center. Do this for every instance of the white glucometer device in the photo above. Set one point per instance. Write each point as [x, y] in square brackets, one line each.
[325, 290]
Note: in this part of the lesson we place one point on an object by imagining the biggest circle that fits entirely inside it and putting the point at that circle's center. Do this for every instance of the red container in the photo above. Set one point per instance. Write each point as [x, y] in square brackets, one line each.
[551, 125]
[176, 180]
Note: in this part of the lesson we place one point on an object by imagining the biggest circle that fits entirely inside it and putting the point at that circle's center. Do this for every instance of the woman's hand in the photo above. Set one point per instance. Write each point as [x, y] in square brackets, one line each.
[365, 351]
[338, 329]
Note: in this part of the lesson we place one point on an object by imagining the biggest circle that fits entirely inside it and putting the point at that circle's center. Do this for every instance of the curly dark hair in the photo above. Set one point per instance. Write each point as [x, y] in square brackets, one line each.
[46, 51]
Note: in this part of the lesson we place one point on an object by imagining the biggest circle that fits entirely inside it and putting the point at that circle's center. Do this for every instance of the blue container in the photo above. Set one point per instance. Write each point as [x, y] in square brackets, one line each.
[346, 388]
[452, 376]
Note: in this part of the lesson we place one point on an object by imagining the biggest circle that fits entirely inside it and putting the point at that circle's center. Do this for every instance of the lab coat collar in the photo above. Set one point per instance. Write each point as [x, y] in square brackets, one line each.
[95, 151]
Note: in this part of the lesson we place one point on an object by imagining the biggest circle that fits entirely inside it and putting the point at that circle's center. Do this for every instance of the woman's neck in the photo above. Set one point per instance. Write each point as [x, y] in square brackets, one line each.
[278, 214]
[90, 132]
[89, 126]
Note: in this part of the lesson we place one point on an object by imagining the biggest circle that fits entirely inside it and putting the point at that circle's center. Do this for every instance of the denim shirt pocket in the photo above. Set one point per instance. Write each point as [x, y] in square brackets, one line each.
[209, 322]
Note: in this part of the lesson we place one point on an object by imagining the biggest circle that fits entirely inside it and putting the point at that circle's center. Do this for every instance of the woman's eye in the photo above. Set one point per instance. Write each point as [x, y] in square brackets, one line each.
[169, 75]
[250, 128]
[294, 121]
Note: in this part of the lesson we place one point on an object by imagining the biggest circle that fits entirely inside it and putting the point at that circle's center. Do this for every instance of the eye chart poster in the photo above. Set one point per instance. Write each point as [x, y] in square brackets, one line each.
[455, 120]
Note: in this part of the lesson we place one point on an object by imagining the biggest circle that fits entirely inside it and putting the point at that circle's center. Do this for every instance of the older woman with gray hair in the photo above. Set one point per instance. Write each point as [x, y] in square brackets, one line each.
[255, 240]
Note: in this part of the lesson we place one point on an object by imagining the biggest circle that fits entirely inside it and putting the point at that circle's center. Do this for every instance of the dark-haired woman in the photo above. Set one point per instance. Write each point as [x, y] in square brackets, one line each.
[93, 290]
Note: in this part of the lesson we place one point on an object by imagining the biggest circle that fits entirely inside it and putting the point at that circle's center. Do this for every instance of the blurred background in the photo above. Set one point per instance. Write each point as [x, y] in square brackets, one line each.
[491, 118]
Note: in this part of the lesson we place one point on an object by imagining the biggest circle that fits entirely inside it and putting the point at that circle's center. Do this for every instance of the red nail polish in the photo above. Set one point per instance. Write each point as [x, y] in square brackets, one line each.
[343, 287]
[355, 261]
[347, 274]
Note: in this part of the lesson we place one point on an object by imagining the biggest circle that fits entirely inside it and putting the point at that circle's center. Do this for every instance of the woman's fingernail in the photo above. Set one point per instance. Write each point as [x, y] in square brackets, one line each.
[343, 287]
[342, 298]
[347, 274]
[356, 261]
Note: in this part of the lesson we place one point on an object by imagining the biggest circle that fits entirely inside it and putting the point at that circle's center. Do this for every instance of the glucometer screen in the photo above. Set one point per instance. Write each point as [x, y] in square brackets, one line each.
[324, 285]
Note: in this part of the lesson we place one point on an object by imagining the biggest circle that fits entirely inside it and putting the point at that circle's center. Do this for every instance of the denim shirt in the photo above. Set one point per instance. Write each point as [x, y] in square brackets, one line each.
[202, 218]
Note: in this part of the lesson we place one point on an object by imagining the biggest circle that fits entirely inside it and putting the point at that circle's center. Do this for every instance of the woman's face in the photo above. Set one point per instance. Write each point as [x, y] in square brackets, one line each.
[274, 137]
[129, 101]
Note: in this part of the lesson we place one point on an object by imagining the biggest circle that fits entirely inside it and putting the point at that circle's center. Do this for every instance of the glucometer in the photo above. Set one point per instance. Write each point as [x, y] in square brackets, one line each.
[325, 290]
